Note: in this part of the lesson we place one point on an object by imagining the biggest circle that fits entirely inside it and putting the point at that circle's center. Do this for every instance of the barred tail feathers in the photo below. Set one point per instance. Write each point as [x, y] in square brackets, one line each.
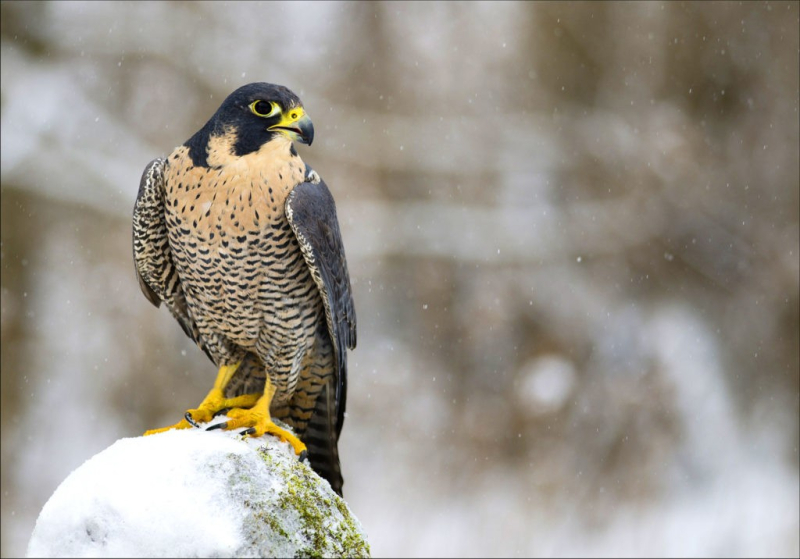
[322, 439]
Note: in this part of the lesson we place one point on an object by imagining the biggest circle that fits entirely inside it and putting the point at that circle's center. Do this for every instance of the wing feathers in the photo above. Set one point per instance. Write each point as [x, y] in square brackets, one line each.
[312, 214]
[155, 270]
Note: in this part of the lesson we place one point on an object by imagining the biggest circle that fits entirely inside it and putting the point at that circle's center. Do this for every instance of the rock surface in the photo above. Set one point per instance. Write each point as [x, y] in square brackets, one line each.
[196, 493]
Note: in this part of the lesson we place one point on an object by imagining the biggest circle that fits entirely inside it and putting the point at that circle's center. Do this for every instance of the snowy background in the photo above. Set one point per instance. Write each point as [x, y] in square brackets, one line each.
[572, 231]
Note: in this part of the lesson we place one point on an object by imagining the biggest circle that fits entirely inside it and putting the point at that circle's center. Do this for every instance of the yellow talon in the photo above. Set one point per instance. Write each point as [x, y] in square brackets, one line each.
[214, 402]
[259, 421]
[182, 424]
[250, 410]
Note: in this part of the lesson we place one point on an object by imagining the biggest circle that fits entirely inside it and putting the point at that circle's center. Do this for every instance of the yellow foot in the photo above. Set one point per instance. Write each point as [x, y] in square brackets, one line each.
[258, 422]
[182, 424]
[214, 403]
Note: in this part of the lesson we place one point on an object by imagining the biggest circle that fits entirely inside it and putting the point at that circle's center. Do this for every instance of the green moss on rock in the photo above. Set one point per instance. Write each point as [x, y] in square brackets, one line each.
[291, 511]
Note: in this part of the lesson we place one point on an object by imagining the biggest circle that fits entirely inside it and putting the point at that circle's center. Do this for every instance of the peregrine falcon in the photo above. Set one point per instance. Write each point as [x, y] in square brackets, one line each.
[239, 238]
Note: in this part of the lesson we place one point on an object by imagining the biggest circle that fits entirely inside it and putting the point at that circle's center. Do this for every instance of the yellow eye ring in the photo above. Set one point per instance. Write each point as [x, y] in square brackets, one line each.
[258, 108]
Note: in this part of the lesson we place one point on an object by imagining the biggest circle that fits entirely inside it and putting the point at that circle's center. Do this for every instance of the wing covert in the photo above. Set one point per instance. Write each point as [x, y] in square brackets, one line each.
[155, 269]
[312, 214]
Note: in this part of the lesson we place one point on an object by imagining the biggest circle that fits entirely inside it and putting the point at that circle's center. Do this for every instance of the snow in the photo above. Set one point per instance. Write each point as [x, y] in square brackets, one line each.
[194, 493]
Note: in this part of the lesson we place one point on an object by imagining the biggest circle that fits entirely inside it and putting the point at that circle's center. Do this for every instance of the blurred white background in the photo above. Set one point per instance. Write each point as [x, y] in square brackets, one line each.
[572, 231]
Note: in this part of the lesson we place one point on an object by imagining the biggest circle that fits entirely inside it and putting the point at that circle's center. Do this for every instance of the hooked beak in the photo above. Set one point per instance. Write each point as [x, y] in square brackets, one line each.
[306, 130]
[296, 125]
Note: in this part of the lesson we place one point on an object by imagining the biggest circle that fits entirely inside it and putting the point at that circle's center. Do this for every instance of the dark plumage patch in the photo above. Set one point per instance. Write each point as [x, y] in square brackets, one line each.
[198, 147]
[234, 115]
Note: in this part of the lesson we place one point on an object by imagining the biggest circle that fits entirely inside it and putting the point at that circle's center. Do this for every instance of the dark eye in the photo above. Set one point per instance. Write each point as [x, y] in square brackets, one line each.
[264, 108]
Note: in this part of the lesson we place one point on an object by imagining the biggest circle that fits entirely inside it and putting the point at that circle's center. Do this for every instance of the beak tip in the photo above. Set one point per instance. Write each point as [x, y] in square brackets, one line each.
[307, 134]
[307, 130]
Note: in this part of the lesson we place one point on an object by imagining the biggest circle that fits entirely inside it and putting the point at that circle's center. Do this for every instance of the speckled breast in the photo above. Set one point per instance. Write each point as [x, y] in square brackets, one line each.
[239, 261]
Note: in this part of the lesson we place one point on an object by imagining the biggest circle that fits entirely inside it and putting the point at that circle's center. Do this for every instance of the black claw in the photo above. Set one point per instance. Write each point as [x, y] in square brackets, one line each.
[303, 456]
[217, 426]
[223, 411]
[248, 431]
[190, 419]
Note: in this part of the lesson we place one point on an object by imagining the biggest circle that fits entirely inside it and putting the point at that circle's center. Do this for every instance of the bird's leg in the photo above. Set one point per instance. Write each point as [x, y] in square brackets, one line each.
[214, 402]
[258, 421]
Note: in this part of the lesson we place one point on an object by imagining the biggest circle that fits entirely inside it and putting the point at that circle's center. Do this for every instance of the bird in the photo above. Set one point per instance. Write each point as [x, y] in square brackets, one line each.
[239, 238]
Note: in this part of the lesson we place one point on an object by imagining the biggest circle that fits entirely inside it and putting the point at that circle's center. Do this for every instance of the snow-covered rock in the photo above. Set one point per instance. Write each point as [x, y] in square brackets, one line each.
[196, 493]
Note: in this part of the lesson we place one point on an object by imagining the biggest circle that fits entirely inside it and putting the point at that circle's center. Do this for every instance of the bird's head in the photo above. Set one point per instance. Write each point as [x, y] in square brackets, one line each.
[257, 113]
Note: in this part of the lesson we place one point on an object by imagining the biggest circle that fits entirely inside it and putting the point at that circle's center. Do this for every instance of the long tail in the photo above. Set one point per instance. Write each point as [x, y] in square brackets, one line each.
[322, 439]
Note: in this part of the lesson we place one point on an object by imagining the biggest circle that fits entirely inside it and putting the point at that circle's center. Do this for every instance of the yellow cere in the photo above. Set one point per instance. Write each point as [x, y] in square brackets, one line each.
[290, 117]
